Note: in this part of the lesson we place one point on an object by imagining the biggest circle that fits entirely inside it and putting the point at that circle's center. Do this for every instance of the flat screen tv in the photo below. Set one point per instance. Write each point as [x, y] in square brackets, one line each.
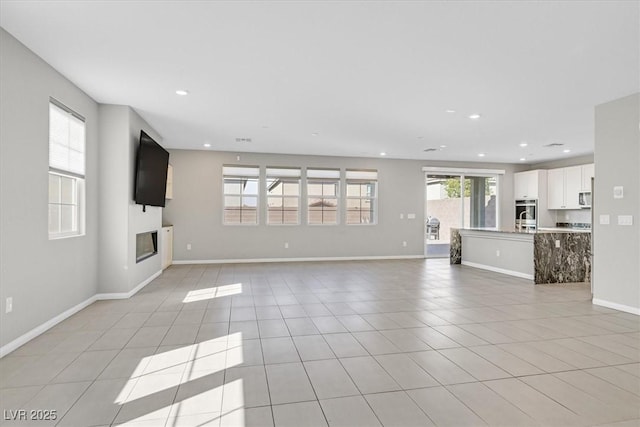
[151, 172]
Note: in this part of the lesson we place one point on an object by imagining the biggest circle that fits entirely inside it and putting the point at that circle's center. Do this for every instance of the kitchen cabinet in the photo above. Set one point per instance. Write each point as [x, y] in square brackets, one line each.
[563, 187]
[529, 184]
[169, 190]
[588, 172]
[166, 246]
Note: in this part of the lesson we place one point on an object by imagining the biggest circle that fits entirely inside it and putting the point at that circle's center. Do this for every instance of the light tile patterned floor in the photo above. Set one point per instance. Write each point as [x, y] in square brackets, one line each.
[393, 343]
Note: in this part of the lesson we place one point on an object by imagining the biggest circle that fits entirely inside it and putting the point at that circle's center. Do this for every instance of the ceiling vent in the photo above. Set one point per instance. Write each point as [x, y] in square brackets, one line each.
[553, 144]
[242, 140]
[428, 150]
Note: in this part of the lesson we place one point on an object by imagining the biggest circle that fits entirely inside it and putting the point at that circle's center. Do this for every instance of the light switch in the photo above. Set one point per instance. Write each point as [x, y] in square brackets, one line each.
[625, 219]
[401, 216]
[605, 219]
[411, 216]
[618, 192]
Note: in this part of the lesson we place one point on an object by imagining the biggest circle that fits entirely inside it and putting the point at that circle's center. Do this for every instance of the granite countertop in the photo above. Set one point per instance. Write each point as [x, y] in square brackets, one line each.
[538, 231]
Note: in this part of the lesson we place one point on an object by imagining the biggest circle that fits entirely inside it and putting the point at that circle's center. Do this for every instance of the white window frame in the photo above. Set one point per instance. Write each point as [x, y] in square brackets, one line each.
[284, 174]
[353, 176]
[322, 176]
[498, 174]
[243, 173]
[73, 170]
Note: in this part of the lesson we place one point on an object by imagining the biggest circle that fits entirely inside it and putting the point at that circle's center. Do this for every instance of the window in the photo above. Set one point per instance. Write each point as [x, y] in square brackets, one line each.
[362, 189]
[66, 172]
[323, 192]
[283, 196]
[240, 194]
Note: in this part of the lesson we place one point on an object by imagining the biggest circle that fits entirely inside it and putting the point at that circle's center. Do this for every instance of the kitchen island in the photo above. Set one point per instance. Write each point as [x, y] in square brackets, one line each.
[553, 255]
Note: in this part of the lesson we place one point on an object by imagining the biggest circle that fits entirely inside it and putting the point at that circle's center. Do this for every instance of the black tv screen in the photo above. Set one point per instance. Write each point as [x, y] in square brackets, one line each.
[151, 172]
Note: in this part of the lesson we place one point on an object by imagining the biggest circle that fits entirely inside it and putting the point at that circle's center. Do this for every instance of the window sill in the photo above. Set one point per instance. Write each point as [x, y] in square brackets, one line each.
[65, 236]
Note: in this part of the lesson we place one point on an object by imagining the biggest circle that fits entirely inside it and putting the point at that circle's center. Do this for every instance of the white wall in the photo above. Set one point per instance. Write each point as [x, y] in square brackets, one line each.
[617, 248]
[196, 210]
[121, 219]
[44, 277]
[114, 180]
[139, 221]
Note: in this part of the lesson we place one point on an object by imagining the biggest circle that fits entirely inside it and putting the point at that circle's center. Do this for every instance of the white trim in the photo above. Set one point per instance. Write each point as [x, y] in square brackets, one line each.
[496, 234]
[310, 259]
[434, 170]
[23, 339]
[498, 270]
[616, 306]
[132, 292]
[38, 330]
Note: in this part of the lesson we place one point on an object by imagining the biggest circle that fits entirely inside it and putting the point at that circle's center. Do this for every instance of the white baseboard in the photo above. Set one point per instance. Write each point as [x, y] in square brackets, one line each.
[260, 260]
[498, 270]
[23, 339]
[132, 292]
[33, 333]
[616, 306]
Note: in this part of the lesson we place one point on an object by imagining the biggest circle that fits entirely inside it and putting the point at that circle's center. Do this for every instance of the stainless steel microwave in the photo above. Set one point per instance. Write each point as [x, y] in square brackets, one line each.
[584, 199]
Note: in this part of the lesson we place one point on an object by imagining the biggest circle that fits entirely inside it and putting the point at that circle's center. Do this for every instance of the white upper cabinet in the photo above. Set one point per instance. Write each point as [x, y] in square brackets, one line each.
[526, 184]
[572, 186]
[555, 188]
[588, 172]
[564, 186]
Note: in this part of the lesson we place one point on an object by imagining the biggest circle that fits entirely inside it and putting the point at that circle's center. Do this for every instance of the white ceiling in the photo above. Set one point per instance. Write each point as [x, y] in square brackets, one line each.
[366, 77]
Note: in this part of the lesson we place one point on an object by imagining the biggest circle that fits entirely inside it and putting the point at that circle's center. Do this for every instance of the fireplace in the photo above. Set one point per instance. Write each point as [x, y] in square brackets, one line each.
[146, 245]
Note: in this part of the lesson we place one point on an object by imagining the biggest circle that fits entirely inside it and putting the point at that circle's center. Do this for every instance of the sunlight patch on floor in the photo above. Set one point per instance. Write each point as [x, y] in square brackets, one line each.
[214, 292]
[192, 365]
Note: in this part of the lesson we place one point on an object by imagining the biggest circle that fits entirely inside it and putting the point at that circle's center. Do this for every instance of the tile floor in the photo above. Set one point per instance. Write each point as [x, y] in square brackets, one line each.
[393, 343]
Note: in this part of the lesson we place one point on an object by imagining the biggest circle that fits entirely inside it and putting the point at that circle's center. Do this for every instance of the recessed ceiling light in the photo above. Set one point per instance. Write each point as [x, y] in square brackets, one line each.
[443, 146]
[207, 145]
[523, 144]
[383, 154]
[474, 116]
[450, 111]
[182, 92]
[566, 150]
[522, 159]
[481, 154]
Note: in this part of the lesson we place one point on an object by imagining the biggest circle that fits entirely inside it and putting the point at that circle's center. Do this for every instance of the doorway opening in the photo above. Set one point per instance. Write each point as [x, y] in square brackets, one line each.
[457, 200]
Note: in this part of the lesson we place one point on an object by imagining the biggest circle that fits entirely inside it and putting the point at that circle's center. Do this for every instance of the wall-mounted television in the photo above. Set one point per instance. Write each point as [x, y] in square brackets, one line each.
[151, 172]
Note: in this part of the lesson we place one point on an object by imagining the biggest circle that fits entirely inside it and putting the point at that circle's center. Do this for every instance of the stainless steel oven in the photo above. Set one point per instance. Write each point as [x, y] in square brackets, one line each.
[527, 214]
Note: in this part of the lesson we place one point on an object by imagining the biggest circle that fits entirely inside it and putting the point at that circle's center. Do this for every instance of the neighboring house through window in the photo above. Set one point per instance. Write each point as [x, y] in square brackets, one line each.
[283, 196]
[362, 194]
[241, 194]
[323, 194]
[66, 172]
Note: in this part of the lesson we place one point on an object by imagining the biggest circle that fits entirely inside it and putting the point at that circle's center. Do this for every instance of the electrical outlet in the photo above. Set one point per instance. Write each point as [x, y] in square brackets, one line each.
[411, 216]
[188, 246]
[404, 244]
[497, 252]
[557, 243]
[286, 245]
[9, 305]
